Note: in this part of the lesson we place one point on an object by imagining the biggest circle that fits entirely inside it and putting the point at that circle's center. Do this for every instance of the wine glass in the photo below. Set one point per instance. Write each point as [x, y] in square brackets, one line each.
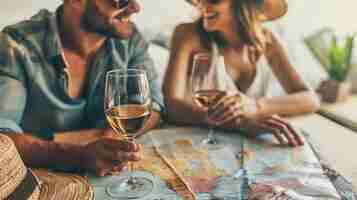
[207, 88]
[127, 108]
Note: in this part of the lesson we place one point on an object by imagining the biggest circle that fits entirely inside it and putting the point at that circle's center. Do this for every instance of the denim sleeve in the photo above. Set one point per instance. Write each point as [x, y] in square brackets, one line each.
[140, 58]
[101, 123]
[12, 88]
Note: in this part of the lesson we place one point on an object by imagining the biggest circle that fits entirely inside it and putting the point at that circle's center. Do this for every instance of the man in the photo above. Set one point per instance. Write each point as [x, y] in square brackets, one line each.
[52, 77]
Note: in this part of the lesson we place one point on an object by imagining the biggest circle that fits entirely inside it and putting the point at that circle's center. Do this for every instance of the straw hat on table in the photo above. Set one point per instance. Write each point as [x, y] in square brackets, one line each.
[20, 183]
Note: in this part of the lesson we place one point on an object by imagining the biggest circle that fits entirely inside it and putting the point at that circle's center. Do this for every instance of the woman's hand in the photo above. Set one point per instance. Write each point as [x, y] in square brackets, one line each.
[237, 111]
[233, 106]
[279, 128]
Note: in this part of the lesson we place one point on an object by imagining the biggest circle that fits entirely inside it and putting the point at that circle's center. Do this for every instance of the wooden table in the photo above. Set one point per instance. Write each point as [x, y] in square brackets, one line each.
[338, 144]
[344, 113]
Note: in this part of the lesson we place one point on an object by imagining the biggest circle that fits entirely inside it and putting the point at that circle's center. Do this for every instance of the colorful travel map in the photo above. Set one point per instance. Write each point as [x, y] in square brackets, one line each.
[241, 169]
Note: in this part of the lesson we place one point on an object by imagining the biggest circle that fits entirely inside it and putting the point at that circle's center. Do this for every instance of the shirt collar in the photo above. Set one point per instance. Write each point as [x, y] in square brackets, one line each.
[53, 47]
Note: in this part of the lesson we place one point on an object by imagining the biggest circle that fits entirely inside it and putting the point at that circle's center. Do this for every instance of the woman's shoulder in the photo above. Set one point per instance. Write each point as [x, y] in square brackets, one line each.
[189, 30]
[187, 35]
[273, 42]
[273, 38]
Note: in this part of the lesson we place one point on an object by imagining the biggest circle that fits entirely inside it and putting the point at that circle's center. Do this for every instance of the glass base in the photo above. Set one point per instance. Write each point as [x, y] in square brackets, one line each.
[212, 143]
[132, 187]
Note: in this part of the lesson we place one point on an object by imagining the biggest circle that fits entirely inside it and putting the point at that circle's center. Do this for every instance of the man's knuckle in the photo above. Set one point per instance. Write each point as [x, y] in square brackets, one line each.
[231, 109]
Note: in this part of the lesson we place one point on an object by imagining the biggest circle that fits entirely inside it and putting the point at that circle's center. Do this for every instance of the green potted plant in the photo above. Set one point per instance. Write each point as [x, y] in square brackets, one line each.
[336, 59]
[339, 64]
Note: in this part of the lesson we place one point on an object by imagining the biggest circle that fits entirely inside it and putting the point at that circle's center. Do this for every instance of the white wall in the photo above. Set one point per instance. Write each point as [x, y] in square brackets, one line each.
[12, 11]
[306, 16]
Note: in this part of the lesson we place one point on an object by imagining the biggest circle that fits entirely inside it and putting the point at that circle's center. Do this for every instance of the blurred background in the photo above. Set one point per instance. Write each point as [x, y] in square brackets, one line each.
[304, 16]
[159, 17]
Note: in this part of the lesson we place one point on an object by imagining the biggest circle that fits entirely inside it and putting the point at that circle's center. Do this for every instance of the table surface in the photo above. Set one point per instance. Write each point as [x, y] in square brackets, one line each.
[337, 144]
[344, 113]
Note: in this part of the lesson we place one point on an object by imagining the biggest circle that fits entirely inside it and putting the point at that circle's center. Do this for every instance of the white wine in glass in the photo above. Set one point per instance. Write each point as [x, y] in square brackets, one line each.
[207, 88]
[128, 119]
[207, 98]
[127, 108]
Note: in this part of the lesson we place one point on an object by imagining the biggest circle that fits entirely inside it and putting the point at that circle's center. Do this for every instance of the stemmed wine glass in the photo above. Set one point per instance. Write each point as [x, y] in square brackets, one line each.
[127, 108]
[207, 88]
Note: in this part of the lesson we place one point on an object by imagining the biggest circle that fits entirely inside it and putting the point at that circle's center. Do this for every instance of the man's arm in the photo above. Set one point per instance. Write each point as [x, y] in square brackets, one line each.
[36, 152]
[81, 137]
[102, 156]
[12, 85]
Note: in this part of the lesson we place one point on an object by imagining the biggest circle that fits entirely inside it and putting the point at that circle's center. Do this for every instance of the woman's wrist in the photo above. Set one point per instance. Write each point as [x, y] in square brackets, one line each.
[260, 108]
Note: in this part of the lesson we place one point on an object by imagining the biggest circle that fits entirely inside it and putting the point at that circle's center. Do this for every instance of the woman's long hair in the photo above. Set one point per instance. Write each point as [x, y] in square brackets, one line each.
[250, 32]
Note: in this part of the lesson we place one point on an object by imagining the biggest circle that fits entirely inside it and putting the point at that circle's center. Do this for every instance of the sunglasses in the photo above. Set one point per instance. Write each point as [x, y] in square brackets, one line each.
[120, 4]
[212, 2]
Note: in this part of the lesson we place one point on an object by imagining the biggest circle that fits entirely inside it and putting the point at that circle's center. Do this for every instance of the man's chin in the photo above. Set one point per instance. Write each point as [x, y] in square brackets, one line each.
[209, 29]
[122, 30]
[124, 36]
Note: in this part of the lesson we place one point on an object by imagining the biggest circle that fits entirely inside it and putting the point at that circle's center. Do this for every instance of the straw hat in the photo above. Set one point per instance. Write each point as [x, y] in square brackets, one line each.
[19, 183]
[269, 9]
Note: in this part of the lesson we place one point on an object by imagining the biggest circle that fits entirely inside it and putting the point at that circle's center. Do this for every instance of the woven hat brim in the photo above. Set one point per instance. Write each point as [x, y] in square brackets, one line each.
[270, 10]
[273, 9]
[28, 189]
[60, 186]
[35, 194]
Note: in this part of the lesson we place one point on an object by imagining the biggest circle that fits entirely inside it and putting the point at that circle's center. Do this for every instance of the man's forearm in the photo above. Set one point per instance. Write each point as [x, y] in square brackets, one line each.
[81, 137]
[36, 152]
[84, 137]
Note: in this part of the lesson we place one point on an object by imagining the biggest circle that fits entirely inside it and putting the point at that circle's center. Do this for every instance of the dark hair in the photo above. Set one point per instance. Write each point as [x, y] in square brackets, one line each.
[250, 31]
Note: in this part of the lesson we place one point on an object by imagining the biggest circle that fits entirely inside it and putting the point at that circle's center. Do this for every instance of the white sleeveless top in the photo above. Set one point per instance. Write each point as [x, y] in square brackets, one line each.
[260, 85]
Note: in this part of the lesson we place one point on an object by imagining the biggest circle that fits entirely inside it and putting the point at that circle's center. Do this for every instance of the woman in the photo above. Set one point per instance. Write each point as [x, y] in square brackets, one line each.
[249, 54]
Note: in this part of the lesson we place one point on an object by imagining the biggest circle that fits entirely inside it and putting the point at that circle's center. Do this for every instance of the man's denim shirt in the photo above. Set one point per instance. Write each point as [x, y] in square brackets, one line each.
[34, 83]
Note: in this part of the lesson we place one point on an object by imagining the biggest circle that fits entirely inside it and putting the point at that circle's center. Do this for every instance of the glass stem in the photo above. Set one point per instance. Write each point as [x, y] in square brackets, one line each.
[210, 136]
[131, 165]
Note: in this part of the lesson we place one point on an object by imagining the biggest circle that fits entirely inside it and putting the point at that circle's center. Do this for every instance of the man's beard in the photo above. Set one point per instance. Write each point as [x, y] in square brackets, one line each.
[93, 22]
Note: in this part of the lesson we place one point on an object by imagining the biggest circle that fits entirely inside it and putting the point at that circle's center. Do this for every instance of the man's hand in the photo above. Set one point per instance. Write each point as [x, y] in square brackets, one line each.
[110, 133]
[107, 155]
